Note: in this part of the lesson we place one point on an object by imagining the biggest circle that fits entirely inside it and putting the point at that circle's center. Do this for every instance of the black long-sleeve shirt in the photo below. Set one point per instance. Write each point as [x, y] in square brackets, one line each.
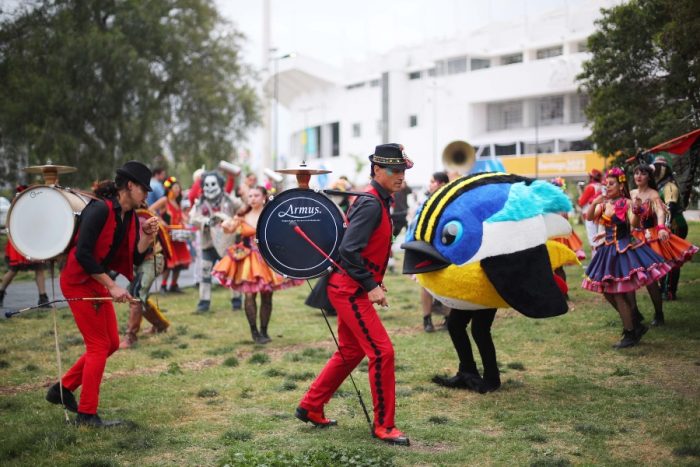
[364, 217]
[92, 220]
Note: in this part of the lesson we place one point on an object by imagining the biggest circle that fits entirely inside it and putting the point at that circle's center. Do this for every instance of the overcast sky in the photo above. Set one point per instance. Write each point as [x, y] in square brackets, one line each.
[335, 30]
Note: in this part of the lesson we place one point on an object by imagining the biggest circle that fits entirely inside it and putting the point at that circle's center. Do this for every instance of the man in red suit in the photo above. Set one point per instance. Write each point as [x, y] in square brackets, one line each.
[109, 239]
[364, 254]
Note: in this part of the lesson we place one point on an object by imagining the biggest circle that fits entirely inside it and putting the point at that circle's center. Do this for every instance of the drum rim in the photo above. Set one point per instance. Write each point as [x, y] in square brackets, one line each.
[290, 195]
[52, 188]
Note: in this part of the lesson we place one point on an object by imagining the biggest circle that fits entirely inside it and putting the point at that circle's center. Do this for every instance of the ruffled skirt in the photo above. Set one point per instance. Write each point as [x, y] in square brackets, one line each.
[250, 274]
[620, 268]
[181, 258]
[675, 250]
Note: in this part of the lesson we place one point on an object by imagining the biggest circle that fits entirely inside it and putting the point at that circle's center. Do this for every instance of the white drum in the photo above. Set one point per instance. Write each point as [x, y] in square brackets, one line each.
[42, 220]
[181, 235]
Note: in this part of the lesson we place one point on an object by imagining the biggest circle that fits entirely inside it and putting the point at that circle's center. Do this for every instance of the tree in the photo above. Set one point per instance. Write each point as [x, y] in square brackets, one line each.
[643, 79]
[94, 83]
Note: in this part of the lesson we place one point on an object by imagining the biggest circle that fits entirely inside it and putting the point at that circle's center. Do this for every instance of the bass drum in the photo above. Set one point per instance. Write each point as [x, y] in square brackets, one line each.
[42, 220]
[286, 251]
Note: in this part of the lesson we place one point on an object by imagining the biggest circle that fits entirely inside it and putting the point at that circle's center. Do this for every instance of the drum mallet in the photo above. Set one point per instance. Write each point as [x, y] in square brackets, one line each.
[10, 314]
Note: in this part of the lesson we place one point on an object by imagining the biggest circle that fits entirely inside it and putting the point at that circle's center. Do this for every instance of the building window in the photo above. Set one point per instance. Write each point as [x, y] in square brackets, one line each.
[579, 102]
[457, 65]
[542, 147]
[335, 139]
[550, 110]
[485, 152]
[578, 145]
[432, 72]
[413, 121]
[374, 83]
[505, 149]
[480, 63]
[582, 46]
[356, 130]
[355, 86]
[414, 75]
[550, 52]
[504, 115]
[511, 59]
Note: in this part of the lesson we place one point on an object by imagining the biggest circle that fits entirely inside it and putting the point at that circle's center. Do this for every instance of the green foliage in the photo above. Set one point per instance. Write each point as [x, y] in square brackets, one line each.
[92, 84]
[231, 362]
[259, 358]
[643, 80]
[207, 392]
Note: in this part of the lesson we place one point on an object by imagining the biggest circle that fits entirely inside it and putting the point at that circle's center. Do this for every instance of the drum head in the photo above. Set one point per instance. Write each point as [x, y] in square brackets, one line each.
[41, 221]
[285, 250]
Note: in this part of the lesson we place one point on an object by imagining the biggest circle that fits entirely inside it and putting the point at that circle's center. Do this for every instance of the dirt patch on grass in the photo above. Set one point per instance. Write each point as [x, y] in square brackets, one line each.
[434, 448]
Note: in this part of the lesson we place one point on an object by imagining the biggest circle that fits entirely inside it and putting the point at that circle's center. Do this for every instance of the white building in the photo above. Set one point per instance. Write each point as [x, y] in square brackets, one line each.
[508, 89]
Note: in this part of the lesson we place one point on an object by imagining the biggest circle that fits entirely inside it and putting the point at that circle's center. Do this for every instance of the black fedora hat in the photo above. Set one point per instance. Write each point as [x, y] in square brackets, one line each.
[391, 155]
[136, 172]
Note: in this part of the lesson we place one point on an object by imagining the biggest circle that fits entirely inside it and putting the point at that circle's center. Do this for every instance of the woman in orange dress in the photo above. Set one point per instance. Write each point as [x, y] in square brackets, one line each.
[173, 215]
[652, 212]
[244, 269]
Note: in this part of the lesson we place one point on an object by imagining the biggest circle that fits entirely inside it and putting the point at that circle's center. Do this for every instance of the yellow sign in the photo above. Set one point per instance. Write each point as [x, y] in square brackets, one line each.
[565, 164]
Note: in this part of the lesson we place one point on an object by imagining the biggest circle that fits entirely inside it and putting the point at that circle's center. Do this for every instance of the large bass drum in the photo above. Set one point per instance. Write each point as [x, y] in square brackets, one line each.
[286, 251]
[43, 219]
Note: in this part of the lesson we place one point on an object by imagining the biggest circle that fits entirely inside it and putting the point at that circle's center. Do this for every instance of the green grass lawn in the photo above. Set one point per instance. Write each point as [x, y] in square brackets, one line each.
[204, 394]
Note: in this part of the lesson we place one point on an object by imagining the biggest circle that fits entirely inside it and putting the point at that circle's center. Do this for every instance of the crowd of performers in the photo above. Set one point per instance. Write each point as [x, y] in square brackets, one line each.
[637, 241]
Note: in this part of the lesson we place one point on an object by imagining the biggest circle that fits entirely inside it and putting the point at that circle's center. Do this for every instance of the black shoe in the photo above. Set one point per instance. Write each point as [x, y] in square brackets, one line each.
[2, 296]
[44, 301]
[262, 339]
[461, 380]
[490, 386]
[54, 396]
[236, 303]
[203, 306]
[94, 421]
[629, 339]
[428, 324]
[174, 288]
[639, 331]
[658, 320]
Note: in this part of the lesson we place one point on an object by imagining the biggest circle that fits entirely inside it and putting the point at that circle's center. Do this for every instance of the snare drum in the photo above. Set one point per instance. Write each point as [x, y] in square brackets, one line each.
[42, 220]
[283, 249]
[181, 235]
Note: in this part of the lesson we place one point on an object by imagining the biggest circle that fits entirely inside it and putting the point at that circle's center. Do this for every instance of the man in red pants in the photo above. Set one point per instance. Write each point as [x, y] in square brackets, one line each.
[109, 238]
[364, 254]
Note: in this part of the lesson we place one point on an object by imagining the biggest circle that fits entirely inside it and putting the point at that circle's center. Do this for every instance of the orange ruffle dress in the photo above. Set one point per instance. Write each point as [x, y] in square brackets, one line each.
[180, 258]
[675, 250]
[249, 274]
[574, 243]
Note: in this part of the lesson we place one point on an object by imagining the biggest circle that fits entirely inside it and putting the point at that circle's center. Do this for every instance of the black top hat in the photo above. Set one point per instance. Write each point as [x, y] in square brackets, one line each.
[136, 172]
[391, 155]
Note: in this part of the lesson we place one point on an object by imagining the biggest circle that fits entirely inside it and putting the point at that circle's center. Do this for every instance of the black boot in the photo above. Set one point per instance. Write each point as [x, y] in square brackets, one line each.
[255, 334]
[54, 396]
[658, 319]
[428, 324]
[44, 301]
[94, 421]
[629, 339]
[2, 296]
[264, 338]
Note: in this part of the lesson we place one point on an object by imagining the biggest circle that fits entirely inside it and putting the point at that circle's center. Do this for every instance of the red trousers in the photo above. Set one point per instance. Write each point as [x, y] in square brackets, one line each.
[360, 333]
[97, 323]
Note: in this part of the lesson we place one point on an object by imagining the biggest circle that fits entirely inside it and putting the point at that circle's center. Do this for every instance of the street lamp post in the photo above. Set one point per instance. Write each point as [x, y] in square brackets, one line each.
[275, 117]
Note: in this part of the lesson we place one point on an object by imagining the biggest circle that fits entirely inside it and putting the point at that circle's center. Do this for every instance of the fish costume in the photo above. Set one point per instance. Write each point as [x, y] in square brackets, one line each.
[483, 241]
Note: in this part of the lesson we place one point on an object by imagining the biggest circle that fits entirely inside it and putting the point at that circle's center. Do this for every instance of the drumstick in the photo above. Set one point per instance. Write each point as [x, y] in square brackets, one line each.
[10, 314]
[298, 230]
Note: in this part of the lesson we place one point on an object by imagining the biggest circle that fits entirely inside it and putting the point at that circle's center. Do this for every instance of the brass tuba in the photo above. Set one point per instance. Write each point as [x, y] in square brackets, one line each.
[458, 156]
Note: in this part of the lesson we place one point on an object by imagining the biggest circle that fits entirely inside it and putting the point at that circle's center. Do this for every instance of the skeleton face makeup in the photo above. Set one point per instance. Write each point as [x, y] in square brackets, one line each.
[211, 187]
